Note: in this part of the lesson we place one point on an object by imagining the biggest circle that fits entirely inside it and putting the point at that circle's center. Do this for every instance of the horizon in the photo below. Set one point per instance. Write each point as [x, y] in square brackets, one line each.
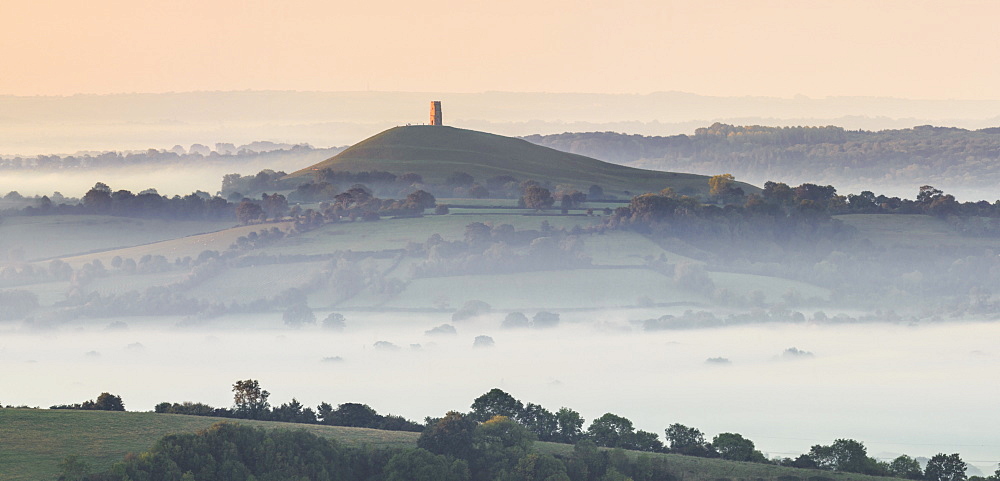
[770, 48]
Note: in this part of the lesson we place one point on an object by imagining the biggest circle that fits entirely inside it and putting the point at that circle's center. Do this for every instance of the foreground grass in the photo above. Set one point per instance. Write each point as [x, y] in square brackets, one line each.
[35, 441]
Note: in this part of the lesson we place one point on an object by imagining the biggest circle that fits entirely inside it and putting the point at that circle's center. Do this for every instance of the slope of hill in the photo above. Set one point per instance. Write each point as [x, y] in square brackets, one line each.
[435, 152]
[37, 440]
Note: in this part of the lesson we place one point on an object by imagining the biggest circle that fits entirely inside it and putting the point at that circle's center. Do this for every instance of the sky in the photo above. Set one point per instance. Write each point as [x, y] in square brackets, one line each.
[894, 48]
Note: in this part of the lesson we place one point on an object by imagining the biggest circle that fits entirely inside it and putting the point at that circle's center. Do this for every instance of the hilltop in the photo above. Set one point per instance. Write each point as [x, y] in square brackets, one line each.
[435, 152]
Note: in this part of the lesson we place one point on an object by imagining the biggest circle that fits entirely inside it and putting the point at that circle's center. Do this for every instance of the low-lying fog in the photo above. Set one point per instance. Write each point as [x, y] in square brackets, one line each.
[917, 390]
[167, 180]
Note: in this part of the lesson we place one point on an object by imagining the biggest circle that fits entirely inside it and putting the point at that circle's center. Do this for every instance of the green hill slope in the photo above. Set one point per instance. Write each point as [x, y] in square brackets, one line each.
[435, 152]
[37, 440]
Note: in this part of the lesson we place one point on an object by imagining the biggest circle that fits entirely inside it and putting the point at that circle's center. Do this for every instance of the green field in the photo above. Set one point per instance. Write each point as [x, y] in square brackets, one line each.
[565, 289]
[35, 441]
[397, 233]
[177, 246]
[435, 152]
[773, 288]
[67, 235]
[911, 231]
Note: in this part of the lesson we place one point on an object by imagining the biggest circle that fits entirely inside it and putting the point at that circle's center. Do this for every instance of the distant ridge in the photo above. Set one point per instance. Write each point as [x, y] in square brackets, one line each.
[434, 152]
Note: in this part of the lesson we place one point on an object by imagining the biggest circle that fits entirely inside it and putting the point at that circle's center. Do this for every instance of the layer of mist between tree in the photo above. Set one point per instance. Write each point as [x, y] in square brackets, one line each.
[166, 179]
[901, 389]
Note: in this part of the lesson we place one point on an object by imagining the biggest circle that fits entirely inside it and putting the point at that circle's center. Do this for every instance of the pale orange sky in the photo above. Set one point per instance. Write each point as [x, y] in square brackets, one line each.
[898, 48]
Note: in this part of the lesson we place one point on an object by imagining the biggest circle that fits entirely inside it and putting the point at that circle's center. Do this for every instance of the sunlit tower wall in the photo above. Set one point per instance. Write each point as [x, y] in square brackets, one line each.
[436, 112]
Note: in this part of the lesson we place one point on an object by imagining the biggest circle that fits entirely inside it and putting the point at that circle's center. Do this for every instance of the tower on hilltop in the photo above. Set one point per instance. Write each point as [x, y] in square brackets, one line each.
[436, 112]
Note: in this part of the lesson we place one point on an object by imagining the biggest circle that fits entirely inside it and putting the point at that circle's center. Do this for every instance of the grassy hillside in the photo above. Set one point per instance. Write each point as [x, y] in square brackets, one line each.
[66, 235]
[436, 152]
[36, 441]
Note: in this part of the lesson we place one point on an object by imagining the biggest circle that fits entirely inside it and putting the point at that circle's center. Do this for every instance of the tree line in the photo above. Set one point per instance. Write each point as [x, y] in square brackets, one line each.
[251, 401]
[900, 156]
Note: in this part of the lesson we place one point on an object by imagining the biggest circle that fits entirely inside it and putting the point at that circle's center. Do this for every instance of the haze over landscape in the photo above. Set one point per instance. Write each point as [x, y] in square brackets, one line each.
[768, 217]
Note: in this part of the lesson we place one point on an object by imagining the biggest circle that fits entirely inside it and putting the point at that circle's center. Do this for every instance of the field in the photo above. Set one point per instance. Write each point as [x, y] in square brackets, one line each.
[397, 233]
[912, 231]
[565, 289]
[68, 235]
[176, 247]
[619, 276]
[36, 441]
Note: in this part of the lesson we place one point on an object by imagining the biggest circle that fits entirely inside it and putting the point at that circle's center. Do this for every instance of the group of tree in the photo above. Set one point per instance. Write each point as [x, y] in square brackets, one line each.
[251, 401]
[196, 154]
[102, 200]
[104, 402]
[904, 156]
[493, 441]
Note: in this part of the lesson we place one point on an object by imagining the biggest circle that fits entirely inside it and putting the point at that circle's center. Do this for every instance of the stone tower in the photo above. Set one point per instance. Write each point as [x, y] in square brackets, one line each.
[436, 112]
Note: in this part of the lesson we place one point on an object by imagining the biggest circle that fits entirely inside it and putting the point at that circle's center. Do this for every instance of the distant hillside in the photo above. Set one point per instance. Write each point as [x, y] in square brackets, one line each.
[960, 161]
[436, 152]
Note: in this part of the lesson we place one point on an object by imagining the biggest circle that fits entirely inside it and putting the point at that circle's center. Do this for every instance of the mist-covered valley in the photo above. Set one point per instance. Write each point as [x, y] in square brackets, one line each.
[901, 389]
[795, 315]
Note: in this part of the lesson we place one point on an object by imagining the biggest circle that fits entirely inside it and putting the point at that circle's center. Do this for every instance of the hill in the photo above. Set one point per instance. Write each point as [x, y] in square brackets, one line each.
[435, 152]
[893, 162]
[37, 440]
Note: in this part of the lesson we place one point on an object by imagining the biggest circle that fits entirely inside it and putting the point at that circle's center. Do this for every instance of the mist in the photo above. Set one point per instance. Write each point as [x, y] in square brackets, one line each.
[899, 389]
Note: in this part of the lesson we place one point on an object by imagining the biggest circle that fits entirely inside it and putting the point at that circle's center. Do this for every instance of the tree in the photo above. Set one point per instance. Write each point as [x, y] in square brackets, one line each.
[274, 205]
[249, 400]
[494, 403]
[537, 197]
[421, 200]
[515, 320]
[335, 322]
[905, 467]
[611, 431]
[247, 212]
[734, 447]
[298, 314]
[353, 415]
[570, 425]
[720, 184]
[97, 201]
[109, 402]
[498, 444]
[945, 467]
[540, 421]
[689, 441]
[450, 435]
[459, 179]
[647, 441]
[843, 455]
[595, 192]
[423, 465]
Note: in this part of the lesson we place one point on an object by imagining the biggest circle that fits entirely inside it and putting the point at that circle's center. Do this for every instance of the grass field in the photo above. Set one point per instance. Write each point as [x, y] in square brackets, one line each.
[911, 231]
[773, 288]
[567, 289]
[397, 233]
[177, 247]
[249, 283]
[626, 248]
[436, 152]
[37, 440]
[66, 235]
